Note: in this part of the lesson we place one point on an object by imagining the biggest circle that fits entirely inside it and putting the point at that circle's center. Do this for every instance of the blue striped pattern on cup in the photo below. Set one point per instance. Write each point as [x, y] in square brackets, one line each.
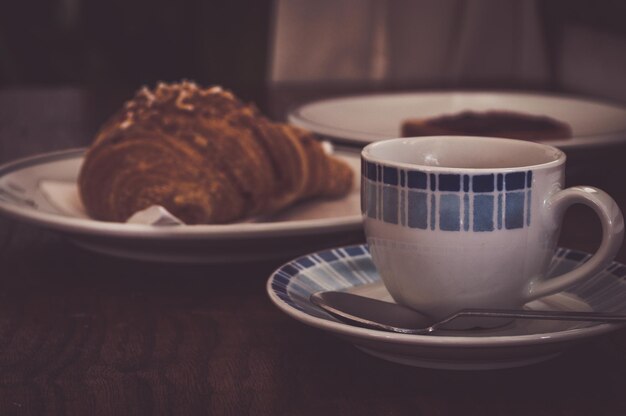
[482, 202]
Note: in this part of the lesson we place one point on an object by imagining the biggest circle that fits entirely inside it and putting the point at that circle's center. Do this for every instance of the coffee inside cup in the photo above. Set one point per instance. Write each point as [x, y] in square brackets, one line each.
[466, 153]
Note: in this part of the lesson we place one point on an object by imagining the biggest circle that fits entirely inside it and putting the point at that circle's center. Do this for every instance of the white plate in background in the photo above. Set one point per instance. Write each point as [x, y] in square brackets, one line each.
[361, 119]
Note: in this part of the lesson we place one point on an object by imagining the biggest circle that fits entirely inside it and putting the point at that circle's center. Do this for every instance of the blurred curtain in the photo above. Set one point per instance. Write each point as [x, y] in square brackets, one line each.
[547, 44]
[418, 41]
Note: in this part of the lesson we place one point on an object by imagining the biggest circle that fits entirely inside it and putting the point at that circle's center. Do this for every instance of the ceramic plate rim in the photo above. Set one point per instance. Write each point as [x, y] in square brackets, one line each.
[344, 329]
[360, 138]
[85, 226]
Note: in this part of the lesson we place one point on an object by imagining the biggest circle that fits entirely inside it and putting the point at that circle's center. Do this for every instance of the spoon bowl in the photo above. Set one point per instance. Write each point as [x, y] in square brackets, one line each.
[392, 317]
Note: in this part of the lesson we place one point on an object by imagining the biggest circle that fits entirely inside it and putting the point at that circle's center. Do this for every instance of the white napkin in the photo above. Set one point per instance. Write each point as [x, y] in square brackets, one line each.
[63, 195]
[154, 215]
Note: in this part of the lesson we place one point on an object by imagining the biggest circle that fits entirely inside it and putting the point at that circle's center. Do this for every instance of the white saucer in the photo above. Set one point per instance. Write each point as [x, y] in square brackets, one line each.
[365, 118]
[520, 343]
[25, 194]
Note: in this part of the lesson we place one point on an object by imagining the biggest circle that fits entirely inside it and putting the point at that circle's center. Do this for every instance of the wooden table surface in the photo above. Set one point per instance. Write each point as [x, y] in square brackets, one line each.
[87, 334]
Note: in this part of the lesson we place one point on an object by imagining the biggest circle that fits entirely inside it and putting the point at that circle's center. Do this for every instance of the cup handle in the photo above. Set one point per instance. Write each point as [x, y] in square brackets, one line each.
[612, 235]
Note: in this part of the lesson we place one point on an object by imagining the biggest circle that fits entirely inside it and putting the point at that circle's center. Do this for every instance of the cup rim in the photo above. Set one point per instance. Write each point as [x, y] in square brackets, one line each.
[366, 154]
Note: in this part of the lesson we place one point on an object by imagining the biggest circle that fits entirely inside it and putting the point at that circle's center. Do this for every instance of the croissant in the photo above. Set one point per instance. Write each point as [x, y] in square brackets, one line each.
[205, 156]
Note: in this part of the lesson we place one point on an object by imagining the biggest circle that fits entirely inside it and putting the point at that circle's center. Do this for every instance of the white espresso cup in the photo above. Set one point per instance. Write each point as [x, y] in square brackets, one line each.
[456, 222]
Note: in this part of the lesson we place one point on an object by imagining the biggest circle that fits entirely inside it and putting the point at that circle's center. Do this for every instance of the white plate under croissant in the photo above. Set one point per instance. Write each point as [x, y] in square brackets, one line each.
[295, 230]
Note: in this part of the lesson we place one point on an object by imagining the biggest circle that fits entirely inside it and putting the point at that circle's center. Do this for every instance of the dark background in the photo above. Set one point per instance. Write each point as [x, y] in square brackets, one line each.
[129, 43]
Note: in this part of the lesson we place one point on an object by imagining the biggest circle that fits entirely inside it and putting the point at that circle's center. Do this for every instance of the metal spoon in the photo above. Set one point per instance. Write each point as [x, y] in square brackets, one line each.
[387, 316]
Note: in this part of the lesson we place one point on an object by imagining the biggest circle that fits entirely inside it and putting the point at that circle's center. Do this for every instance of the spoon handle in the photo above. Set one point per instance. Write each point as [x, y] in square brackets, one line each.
[532, 314]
